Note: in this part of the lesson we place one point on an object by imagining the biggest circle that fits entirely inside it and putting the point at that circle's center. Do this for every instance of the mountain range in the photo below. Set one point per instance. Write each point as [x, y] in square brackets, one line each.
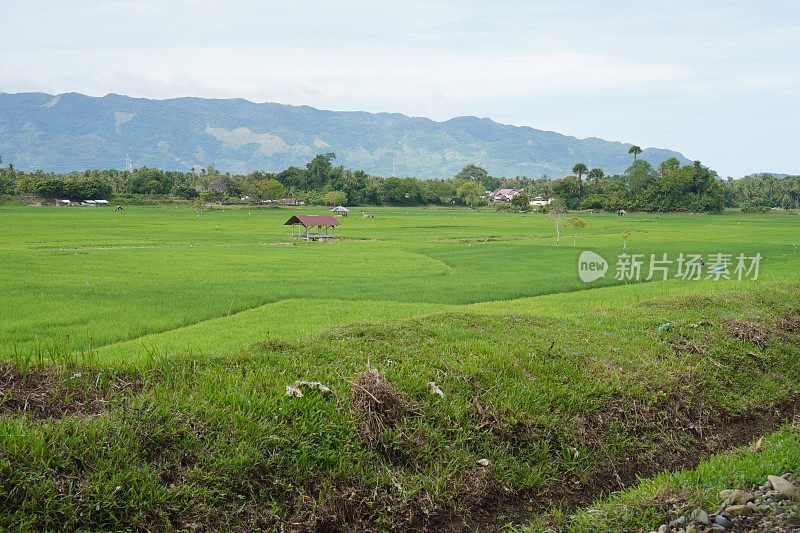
[72, 131]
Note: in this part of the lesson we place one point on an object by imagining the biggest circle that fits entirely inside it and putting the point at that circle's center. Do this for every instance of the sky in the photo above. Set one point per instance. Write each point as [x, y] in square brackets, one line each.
[718, 80]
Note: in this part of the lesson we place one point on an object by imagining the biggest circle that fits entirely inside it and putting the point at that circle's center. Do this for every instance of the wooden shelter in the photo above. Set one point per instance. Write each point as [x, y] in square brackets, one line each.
[340, 211]
[324, 225]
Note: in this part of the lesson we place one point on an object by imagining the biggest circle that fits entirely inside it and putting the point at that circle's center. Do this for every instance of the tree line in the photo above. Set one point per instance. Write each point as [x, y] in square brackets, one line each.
[669, 187]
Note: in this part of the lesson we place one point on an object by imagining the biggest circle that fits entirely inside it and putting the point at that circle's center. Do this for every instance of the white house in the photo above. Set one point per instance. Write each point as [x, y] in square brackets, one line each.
[540, 201]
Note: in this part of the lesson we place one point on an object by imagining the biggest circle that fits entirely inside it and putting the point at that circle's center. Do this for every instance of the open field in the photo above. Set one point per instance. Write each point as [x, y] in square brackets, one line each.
[175, 336]
[91, 278]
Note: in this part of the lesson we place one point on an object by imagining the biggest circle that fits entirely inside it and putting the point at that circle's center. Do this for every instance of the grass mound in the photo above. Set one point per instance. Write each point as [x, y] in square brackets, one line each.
[534, 412]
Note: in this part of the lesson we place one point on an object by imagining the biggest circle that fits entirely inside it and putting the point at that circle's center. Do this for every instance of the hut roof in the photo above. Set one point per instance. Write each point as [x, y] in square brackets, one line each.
[340, 209]
[313, 220]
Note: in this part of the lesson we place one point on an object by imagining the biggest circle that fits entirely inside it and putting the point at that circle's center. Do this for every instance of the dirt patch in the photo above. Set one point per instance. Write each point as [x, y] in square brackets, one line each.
[668, 434]
[51, 392]
[788, 324]
[752, 332]
[671, 436]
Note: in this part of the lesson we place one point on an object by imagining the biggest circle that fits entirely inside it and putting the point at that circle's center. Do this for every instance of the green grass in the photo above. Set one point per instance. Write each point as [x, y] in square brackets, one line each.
[92, 277]
[557, 383]
[643, 507]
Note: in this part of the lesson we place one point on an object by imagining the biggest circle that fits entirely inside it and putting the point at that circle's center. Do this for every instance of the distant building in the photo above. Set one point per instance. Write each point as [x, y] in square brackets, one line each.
[540, 200]
[317, 227]
[504, 195]
[287, 201]
[340, 211]
[84, 203]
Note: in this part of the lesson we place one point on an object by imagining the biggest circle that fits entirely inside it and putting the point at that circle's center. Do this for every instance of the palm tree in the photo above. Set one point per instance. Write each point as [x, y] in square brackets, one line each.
[579, 170]
[596, 174]
[635, 150]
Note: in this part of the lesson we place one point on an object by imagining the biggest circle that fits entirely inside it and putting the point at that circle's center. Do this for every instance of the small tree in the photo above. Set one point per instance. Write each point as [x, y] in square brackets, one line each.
[334, 198]
[625, 236]
[201, 201]
[269, 189]
[470, 193]
[577, 224]
[635, 150]
[556, 214]
[521, 202]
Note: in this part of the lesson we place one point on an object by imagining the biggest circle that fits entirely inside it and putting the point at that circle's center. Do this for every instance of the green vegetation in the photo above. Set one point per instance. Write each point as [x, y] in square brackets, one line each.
[644, 505]
[670, 188]
[148, 354]
[94, 277]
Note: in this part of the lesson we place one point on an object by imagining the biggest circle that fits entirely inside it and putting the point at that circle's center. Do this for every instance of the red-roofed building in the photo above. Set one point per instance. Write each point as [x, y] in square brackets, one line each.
[504, 195]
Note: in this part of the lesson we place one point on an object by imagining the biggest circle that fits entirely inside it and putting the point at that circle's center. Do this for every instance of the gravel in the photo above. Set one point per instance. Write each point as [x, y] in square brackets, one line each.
[773, 507]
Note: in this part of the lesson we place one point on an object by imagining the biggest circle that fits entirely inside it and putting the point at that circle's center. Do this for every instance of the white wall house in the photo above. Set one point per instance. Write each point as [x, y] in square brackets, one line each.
[540, 201]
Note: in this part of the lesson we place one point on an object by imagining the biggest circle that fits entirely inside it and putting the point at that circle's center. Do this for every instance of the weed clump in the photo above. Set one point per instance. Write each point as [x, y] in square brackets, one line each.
[752, 332]
[788, 324]
[377, 406]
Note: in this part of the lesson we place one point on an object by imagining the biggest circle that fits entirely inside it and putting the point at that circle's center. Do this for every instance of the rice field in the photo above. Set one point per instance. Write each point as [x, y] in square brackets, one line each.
[455, 371]
[88, 279]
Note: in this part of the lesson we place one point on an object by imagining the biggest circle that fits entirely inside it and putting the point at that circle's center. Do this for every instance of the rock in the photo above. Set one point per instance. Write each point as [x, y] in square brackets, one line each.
[666, 326]
[738, 510]
[703, 518]
[736, 496]
[678, 522]
[663, 528]
[722, 521]
[717, 527]
[483, 462]
[785, 487]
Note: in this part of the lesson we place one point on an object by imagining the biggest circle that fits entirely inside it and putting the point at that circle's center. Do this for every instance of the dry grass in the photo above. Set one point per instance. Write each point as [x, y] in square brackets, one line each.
[376, 405]
[51, 392]
[788, 324]
[681, 345]
[752, 332]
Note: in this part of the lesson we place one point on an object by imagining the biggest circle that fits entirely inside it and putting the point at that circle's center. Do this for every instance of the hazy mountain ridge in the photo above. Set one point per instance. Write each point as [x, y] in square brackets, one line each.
[76, 132]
